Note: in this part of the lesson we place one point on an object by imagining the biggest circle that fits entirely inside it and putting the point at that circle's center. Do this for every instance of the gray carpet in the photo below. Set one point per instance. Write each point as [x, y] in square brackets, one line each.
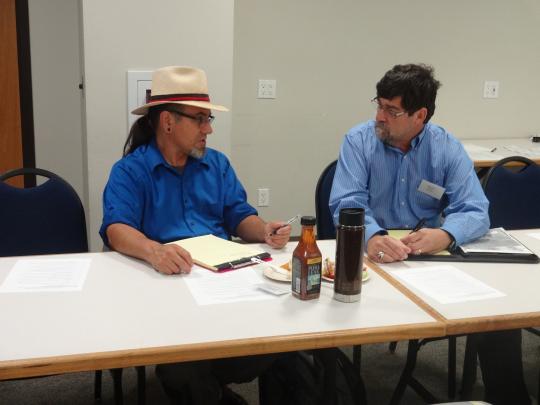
[380, 371]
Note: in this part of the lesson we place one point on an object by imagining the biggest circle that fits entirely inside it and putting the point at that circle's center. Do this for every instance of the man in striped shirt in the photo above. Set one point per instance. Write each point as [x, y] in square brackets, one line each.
[406, 173]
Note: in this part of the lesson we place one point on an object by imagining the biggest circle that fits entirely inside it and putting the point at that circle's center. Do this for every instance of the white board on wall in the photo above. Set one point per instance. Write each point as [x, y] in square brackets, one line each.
[138, 91]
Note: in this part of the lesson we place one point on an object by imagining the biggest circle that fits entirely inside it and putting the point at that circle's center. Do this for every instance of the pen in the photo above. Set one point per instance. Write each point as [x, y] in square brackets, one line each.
[493, 150]
[290, 221]
[419, 225]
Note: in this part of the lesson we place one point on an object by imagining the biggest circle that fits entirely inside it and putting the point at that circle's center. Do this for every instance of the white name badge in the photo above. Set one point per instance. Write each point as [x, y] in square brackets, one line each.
[433, 190]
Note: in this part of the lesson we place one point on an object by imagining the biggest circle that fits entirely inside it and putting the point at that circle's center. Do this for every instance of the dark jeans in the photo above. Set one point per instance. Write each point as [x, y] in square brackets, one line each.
[201, 382]
[502, 368]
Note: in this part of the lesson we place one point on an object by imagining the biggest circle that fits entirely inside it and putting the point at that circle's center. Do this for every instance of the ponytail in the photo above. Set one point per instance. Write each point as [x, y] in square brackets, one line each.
[143, 130]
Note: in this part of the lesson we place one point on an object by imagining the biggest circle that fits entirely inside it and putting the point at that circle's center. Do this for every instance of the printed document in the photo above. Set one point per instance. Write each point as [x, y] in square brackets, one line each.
[446, 284]
[46, 275]
[208, 287]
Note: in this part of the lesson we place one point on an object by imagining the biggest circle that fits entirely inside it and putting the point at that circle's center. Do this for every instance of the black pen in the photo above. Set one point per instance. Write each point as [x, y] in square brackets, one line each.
[290, 221]
[419, 225]
[493, 150]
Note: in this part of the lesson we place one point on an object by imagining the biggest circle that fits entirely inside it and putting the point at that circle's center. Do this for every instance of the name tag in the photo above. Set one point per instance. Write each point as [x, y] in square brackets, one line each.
[431, 189]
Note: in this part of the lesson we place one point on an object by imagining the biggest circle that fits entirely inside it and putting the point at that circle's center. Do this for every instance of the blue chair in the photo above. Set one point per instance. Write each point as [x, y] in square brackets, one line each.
[45, 219]
[513, 194]
[325, 222]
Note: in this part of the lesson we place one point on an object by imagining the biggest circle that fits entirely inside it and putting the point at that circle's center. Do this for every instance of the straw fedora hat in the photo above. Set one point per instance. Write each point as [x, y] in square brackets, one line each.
[179, 85]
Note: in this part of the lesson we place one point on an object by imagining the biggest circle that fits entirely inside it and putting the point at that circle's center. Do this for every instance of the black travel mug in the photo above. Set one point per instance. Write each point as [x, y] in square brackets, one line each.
[349, 255]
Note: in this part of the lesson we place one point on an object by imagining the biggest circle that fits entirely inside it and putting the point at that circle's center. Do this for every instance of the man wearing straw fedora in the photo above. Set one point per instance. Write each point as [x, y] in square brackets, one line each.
[170, 186]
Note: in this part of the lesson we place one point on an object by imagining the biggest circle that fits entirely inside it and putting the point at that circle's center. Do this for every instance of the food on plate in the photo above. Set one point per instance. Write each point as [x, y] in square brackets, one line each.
[328, 268]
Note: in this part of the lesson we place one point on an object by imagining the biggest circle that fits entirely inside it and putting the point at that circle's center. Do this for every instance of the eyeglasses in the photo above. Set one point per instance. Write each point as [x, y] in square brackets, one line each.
[201, 119]
[392, 112]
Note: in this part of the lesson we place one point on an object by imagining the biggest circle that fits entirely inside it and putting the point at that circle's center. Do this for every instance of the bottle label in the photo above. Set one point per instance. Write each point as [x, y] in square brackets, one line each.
[314, 268]
[296, 274]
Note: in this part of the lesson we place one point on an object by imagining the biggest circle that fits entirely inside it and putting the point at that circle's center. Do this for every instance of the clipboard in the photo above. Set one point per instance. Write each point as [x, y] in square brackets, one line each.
[464, 254]
[218, 254]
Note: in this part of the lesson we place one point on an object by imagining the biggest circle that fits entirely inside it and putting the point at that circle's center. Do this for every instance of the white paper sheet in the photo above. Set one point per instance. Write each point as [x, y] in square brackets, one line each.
[535, 235]
[477, 152]
[446, 284]
[208, 287]
[532, 151]
[46, 275]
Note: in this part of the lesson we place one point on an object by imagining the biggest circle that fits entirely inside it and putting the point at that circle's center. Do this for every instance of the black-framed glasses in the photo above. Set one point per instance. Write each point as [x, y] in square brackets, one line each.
[201, 119]
[391, 111]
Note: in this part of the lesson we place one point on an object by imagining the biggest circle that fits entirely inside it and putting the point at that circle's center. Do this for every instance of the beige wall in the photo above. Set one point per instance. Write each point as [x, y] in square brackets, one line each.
[127, 35]
[56, 74]
[327, 57]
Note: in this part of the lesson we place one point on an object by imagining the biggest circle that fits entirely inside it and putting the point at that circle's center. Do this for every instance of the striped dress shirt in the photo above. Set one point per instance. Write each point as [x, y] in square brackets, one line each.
[384, 181]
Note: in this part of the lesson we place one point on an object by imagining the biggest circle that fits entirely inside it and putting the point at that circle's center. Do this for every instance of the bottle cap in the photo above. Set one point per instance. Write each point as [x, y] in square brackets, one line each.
[351, 217]
[308, 220]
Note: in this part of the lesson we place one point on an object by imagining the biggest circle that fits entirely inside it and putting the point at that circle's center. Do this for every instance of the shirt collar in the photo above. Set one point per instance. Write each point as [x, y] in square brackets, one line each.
[155, 158]
[418, 138]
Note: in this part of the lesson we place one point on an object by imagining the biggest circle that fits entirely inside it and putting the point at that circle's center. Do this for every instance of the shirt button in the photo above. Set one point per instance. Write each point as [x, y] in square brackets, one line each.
[402, 179]
[402, 203]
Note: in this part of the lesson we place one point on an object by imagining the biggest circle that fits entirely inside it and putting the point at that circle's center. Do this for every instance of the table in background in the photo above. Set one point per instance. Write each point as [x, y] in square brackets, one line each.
[479, 150]
[128, 315]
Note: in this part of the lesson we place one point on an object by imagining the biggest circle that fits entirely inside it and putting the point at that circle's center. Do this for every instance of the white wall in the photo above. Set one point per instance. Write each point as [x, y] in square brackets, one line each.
[56, 74]
[327, 57]
[127, 35]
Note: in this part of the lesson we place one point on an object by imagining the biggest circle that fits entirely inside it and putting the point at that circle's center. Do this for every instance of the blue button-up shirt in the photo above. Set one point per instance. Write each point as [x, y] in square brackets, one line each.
[148, 194]
[384, 181]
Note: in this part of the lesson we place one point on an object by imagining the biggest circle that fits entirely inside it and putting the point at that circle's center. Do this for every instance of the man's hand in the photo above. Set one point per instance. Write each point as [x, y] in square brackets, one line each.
[170, 259]
[276, 234]
[385, 249]
[427, 240]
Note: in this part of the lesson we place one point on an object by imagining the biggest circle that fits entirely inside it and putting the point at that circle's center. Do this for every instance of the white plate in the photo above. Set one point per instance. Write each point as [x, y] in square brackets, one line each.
[276, 275]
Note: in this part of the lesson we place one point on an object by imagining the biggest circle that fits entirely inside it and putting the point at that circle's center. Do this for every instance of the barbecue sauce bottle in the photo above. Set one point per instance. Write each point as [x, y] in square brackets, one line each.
[306, 263]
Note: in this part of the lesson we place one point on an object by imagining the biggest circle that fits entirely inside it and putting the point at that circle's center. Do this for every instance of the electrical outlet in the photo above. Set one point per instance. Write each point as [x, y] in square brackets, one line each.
[267, 88]
[263, 197]
[491, 89]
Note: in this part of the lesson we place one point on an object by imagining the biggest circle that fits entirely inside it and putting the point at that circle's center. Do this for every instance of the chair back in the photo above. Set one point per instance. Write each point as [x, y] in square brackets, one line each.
[513, 194]
[45, 219]
[325, 222]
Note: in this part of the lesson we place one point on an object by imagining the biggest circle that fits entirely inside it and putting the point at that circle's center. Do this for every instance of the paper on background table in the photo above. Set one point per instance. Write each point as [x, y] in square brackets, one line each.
[209, 250]
[477, 152]
[535, 235]
[446, 284]
[401, 233]
[208, 287]
[46, 275]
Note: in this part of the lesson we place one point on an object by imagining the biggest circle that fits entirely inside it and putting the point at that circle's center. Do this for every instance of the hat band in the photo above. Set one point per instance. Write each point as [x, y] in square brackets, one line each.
[180, 97]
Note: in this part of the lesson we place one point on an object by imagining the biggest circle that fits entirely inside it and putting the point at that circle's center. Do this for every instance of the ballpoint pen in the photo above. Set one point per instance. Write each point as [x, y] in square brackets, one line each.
[493, 150]
[290, 221]
[419, 225]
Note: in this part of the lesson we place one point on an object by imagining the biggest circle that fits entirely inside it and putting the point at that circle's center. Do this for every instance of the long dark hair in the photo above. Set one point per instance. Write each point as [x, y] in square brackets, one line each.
[144, 129]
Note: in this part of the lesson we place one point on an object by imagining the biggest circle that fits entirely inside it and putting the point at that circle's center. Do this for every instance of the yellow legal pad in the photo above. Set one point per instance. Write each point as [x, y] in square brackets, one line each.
[401, 233]
[219, 254]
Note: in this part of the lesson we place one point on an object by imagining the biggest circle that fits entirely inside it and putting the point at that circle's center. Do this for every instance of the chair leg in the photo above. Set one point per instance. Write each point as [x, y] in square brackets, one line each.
[451, 367]
[406, 375]
[141, 385]
[357, 358]
[97, 385]
[117, 384]
[392, 347]
[469, 368]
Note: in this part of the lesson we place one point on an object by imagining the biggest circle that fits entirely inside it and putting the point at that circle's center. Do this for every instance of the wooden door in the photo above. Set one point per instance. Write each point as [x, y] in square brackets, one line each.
[11, 155]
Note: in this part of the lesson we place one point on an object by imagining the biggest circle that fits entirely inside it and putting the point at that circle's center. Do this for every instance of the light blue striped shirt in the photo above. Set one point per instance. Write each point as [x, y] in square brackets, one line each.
[384, 181]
